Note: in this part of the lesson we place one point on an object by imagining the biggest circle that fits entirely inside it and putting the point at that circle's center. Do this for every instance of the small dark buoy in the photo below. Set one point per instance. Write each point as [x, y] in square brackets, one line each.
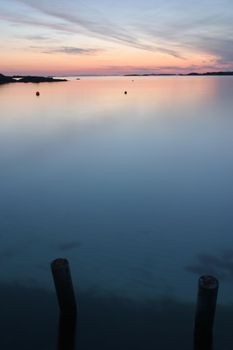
[37, 93]
[125, 92]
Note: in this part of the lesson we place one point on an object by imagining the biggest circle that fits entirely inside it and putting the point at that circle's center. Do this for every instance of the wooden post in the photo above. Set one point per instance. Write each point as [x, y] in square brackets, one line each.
[66, 333]
[67, 304]
[205, 312]
[64, 287]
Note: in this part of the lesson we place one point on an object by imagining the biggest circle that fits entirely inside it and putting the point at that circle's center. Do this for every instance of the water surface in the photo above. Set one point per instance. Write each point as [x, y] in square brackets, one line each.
[135, 190]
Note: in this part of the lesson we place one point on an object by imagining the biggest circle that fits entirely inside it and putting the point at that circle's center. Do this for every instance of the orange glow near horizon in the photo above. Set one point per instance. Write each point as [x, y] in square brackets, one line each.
[115, 61]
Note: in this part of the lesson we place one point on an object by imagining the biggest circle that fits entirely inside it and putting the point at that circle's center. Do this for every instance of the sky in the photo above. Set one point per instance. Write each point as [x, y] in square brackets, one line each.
[72, 37]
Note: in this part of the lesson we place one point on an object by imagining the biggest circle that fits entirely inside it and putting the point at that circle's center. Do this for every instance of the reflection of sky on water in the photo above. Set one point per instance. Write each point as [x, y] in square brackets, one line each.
[132, 189]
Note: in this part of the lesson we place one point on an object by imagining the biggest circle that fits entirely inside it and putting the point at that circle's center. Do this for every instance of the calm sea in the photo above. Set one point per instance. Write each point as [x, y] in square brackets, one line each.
[135, 189]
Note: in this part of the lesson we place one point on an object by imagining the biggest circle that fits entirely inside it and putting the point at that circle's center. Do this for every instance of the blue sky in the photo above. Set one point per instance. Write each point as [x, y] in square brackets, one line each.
[115, 37]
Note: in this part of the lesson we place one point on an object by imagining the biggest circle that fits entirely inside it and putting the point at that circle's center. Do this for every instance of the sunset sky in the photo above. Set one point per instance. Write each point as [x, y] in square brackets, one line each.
[71, 37]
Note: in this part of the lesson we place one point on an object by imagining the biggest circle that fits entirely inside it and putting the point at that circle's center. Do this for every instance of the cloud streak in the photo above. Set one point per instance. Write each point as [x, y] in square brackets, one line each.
[77, 24]
[73, 51]
[205, 34]
[37, 37]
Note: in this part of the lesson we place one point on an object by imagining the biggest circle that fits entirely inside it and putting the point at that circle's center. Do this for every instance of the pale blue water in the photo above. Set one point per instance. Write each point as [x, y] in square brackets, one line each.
[135, 190]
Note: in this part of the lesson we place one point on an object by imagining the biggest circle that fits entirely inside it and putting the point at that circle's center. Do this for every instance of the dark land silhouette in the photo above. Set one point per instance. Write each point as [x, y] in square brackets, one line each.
[5, 80]
[27, 79]
[180, 74]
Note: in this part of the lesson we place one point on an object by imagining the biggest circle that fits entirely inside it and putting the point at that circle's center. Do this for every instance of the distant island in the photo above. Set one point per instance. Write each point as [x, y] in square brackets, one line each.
[27, 79]
[179, 74]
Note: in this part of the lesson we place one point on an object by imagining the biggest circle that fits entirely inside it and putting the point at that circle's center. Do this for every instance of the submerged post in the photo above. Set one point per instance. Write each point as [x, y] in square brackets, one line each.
[66, 333]
[205, 312]
[64, 287]
[67, 304]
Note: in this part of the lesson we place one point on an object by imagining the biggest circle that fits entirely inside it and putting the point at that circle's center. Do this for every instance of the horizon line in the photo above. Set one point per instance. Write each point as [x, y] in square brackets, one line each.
[212, 72]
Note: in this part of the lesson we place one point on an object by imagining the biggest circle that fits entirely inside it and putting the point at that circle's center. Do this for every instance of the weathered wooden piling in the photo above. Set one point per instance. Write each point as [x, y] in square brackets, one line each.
[64, 287]
[205, 312]
[66, 333]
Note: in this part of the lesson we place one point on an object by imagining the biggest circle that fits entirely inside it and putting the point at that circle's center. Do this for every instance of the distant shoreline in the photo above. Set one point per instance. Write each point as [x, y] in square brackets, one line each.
[41, 79]
[179, 74]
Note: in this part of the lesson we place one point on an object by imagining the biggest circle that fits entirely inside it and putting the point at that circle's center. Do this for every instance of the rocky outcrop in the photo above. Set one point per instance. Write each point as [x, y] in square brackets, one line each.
[5, 80]
[27, 79]
[32, 79]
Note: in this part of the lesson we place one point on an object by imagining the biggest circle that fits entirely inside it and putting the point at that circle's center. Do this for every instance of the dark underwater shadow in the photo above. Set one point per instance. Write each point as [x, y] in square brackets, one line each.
[219, 265]
[29, 320]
